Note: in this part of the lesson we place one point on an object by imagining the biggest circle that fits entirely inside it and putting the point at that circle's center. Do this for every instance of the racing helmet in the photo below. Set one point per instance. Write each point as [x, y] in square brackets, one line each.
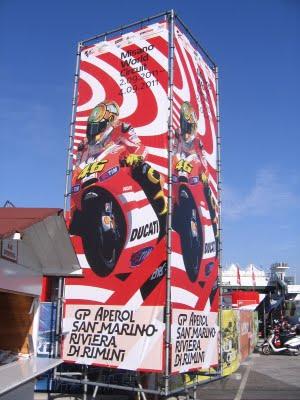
[101, 117]
[188, 123]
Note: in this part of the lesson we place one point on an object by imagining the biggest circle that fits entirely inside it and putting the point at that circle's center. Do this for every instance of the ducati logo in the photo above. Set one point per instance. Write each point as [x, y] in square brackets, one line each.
[144, 231]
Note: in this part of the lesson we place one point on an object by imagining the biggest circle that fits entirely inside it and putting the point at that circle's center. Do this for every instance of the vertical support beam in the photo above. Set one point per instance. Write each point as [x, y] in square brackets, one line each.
[264, 319]
[59, 303]
[71, 130]
[220, 215]
[58, 321]
[85, 386]
[167, 343]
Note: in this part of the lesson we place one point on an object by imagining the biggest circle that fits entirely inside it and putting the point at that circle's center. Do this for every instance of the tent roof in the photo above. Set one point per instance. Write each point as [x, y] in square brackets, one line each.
[15, 219]
[45, 244]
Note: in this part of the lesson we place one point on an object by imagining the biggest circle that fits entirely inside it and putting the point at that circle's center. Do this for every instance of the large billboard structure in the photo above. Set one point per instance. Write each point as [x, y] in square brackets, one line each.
[144, 202]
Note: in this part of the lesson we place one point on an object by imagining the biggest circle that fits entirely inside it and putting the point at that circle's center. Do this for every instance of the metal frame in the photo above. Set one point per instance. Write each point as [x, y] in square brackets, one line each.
[165, 389]
[220, 268]
[72, 129]
[169, 215]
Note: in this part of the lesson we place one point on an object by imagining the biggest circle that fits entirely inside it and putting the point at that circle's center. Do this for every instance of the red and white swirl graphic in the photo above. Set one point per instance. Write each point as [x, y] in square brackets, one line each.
[119, 72]
[131, 70]
[195, 82]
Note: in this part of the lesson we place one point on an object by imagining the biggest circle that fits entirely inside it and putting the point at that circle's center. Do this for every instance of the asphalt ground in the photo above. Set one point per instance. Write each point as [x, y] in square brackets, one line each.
[273, 377]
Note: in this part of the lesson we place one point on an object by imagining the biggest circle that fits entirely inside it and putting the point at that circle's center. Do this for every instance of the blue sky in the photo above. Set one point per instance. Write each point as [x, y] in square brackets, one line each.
[256, 46]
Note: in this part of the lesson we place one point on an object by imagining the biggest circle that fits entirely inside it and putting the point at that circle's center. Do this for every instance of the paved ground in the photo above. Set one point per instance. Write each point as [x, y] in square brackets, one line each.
[274, 377]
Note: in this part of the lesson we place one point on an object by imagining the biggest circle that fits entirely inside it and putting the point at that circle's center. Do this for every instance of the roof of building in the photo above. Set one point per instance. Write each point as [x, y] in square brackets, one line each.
[15, 219]
[44, 244]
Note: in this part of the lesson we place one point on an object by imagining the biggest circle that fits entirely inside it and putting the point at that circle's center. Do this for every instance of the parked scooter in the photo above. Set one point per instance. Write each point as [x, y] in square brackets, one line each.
[278, 342]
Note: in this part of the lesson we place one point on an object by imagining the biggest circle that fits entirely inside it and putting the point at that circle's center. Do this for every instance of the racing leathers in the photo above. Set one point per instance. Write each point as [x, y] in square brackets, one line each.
[196, 147]
[135, 157]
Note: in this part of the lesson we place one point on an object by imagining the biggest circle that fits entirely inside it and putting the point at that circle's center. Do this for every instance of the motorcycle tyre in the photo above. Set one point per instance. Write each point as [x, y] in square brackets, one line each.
[266, 350]
[295, 353]
[94, 234]
[192, 249]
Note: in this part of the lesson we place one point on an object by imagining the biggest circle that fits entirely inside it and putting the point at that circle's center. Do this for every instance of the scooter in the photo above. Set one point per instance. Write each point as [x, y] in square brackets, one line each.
[276, 343]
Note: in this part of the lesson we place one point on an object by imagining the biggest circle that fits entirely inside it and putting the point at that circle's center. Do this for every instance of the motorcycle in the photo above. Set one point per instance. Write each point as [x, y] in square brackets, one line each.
[277, 342]
[188, 196]
[111, 213]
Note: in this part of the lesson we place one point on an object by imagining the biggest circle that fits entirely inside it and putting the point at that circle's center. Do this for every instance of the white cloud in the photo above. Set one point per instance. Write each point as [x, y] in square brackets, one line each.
[272, 191]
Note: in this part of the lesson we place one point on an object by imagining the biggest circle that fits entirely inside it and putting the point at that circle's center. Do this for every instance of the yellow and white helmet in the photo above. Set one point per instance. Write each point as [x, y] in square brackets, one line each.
[101, 117]
[188, 123]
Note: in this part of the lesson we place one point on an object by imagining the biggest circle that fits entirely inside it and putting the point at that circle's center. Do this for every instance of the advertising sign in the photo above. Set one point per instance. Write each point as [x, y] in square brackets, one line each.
[238, 337]
[9, 249]
[230, 341]
[246, 333]
[46, 331]
[125, 168]
[46, 341]
[194, 265]
[114, 314]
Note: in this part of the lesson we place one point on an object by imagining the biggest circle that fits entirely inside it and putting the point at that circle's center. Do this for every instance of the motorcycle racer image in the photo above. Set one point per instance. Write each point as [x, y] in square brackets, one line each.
[104, 127]
[107, 137]
[190, 170]
[189, 143]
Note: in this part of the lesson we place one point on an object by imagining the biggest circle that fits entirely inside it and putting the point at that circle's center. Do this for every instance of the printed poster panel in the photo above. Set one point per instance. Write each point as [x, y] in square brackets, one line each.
[230, 348]
[194, 267]
[46, 341]
[118, 336]
[9, 249]
[254, 338]
[46, 331]
[246, 333]
[118, 202]
[195, 340]
[230, 341]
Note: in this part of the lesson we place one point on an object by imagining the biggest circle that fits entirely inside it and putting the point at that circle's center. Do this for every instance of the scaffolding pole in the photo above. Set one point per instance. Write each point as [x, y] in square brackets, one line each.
[220, 215]
[201, 48]
[169, 215]
[72, 129]
[124, 27]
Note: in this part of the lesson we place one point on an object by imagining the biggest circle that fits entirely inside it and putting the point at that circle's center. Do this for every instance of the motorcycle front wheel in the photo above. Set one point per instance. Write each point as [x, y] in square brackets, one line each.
[102, 247]
[189, 227]
[266, 350]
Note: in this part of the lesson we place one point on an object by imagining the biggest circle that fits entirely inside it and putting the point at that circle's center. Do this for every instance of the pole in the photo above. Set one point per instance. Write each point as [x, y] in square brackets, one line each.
[169, 215]
[85, 386]
[213, 64]
[264, 319]
[219, 247]
[58, 316]
[72, 129]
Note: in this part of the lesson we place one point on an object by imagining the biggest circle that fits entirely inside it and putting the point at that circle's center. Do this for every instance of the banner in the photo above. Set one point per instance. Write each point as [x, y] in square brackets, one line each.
[46, 341]
[114, 313]
[246, 333]
[230, 341]
[195, 242]
[46, 330]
